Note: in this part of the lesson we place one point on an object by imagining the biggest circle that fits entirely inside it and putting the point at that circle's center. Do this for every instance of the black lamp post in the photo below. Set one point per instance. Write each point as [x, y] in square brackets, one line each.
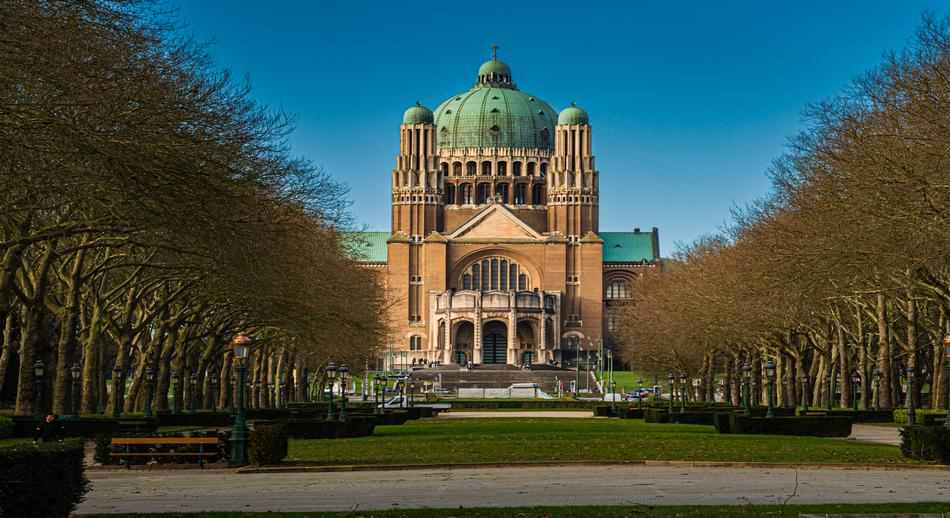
[855, 388]
[770, 397]
[671, 379]
[746, 389]
[39, 372]
[344, 371]
[640, 393]
[193, 392]
[876, 377]
[76, 373]
[378, 387]
[117, 388]
[946, 374]
[149, 390]
[176, 399]
[683, 391]
[804, 392]
[911, 408]
[215, 385]
[241, 345]
[331, 376]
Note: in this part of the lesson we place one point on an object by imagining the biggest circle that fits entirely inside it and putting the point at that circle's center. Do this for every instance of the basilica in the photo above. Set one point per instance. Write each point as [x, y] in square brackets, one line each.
[495, 254]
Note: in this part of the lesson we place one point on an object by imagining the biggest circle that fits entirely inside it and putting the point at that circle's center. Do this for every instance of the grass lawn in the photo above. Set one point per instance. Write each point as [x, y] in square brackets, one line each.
[771, 511]
[499, 440]
[627, 380]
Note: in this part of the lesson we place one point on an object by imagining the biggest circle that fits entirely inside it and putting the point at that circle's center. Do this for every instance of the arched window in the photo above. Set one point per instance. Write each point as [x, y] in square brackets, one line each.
[471, 168]
[544, 169]
[457, 168]
[481, 193]
[495, 273]
[531, 166]
[501, 192]
[445, 168]
[465, 194]
[618, 289]
[486, 168]
[516, 169]
[502, 168]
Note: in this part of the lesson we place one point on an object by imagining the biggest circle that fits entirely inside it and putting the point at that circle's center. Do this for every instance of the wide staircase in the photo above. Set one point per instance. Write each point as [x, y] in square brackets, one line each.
[498, 377]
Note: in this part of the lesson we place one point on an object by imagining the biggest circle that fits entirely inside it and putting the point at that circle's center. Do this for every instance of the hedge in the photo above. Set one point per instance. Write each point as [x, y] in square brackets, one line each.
[926, 443]
[925, 416]
[87, 427]
[656, 415]
[863, 416]
[819, 426]
[267, 444]
[693, 417]
[41, 481]
[6, 427]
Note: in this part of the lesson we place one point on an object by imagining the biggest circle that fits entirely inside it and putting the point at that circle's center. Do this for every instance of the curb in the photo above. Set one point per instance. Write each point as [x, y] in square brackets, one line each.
[645, 463]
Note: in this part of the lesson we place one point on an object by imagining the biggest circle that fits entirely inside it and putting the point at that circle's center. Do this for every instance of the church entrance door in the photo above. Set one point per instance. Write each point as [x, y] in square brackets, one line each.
[495, 343]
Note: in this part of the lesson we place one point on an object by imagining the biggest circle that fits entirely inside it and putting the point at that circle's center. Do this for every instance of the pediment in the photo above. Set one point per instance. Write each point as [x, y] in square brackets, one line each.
[495, 222]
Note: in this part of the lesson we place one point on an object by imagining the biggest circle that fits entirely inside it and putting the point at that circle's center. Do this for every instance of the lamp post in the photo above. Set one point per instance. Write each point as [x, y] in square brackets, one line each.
[746, 388]
[215, 384]
[683, 391]
[149, 390]
[331, 376]
[117, 386]
[855, 388]
[411, 394]
[232, 384]
[911, 409]
[770, 397]
[241, 345]
[344, 370]
[640, 393]
[365, 387]
[193, 392]
[671, 379]
[76, 373]
[946, 374]
[377, 387]
[804, 392]
[176, 401]
[39, 372]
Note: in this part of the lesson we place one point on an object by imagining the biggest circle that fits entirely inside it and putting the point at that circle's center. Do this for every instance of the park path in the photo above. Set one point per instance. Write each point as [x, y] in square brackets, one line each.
[223, 490]
[875, 433]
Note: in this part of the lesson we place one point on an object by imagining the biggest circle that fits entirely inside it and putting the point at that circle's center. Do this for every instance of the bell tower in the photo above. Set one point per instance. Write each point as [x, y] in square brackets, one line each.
[416, 202]
[572, 212]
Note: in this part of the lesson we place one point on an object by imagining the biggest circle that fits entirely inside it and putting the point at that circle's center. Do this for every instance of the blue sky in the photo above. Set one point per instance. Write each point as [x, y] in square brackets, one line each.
[689, 101]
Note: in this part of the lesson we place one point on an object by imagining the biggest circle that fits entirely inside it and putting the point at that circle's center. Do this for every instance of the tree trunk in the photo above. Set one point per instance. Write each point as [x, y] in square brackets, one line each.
[844, 361]
[885, 392]
[32, 334]
[6, 348]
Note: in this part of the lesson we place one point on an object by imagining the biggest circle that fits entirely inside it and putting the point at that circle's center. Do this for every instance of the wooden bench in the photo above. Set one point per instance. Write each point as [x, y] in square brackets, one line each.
[201, 442]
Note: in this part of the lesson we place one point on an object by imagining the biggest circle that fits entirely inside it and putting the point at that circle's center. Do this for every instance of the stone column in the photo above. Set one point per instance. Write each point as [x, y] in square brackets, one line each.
[447, 353]
[477, 334]
[512, 330]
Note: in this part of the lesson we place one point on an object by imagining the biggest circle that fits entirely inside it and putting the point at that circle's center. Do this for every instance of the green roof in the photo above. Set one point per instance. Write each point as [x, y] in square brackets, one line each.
[628, 247]
[370, 246]
[572, 115]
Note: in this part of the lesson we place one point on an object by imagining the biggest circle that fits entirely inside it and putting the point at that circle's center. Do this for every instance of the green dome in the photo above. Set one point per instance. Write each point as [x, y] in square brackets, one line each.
[494, 67]
[571, 116]
[417, 114]
[495, 114]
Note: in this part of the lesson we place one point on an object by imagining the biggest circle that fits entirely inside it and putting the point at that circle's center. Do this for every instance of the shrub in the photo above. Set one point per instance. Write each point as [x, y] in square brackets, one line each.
[103, 449]
[693, 417]
[819, 426]
[925, 416]
[722, 420]
[267, 444]
[41, 481]
[926, 443]
[863, 416]
[656, 415]
[6, 427]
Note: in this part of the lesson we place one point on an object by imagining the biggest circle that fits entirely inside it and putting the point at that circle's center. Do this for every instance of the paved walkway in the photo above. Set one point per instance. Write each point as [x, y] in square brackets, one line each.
[571, 414]
[220, 490]
[879, 434]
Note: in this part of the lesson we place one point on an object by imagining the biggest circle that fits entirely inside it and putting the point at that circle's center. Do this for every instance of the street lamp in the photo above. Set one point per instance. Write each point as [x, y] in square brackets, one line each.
[855, 388]
[241, 345]
[331, 375]
[671, 379]
[117, 386]
[149, 390]
[746, 389]
[215, 384]
[39, 372]
[770, 374]
[378, 386]
[911, 408]
[946, 372]
[193, 393]
[412, 392]
[683, 391]
[344, 370]
[76, 373]
[804, 379]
